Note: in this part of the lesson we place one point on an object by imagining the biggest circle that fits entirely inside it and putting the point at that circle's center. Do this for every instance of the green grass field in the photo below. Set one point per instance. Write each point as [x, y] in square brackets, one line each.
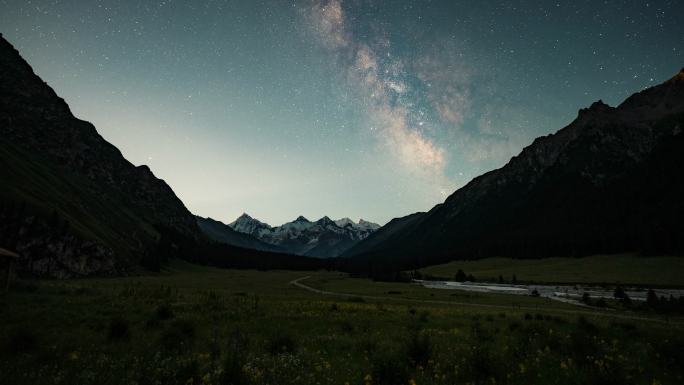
[198, 325]
[611, 269]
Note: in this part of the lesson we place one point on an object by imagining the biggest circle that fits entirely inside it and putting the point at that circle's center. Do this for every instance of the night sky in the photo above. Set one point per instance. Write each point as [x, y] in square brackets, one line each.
[360, 108]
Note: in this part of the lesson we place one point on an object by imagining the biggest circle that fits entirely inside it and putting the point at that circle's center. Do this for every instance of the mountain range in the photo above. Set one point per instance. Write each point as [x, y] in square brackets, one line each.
[72, 205]
[324, 238]
[611, 181]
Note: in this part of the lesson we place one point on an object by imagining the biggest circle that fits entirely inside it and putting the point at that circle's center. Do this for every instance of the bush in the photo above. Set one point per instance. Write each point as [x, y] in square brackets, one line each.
[164, 312]
[419, 349]
[586, 298]
[283, 343]
[585, 325]
[21, 341]
[234, 361]
[460, 276]
[118, 330]
[188, 373]
[423, 316]
[368, 345]
[180, 334]
[389, 368]
[346, 326]
[480, 364]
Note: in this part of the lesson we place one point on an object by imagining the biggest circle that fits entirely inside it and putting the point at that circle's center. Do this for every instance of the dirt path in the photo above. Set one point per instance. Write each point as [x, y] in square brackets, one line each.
[601, 313]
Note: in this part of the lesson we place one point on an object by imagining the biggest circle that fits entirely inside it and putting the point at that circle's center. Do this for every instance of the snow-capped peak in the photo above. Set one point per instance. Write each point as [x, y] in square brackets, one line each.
[246, 224]
[344, 222]
[324, 237]
[368, 225]
[325, 221]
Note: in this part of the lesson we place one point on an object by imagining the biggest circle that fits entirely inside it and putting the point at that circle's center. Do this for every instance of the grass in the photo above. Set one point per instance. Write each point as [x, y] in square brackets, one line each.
[198, 325]
[44, 187]
[625, 269]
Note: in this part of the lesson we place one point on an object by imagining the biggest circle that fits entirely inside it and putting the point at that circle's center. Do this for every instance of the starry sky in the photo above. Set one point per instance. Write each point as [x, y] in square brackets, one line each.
[347, 108]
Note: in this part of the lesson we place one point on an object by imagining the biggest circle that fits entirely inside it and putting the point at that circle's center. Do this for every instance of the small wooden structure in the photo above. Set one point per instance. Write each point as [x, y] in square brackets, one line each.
[7, 260]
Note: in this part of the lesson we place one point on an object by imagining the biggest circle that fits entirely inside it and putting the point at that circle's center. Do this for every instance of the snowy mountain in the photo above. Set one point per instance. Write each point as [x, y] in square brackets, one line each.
[248, 225]
[324, 238]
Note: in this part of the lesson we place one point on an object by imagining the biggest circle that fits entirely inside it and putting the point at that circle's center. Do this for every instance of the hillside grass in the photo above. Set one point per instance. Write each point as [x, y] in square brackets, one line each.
[200, 325]
[43, 187]
[625, 269]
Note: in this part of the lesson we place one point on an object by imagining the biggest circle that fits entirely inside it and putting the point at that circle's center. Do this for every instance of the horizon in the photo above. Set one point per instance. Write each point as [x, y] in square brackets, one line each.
[375, 116]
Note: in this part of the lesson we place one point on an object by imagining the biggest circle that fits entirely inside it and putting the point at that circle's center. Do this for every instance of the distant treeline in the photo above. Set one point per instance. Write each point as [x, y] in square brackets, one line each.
[206, 252]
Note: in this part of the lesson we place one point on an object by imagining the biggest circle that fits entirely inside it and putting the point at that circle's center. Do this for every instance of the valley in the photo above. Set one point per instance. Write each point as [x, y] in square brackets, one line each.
[201, 325]
[523, 243]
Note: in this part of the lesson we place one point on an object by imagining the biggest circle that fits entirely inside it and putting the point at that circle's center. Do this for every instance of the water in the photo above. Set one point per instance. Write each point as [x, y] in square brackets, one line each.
[564, 293]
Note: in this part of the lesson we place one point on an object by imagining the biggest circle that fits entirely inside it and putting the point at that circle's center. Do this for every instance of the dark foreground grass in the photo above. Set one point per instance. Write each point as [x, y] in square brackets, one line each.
[207, 326]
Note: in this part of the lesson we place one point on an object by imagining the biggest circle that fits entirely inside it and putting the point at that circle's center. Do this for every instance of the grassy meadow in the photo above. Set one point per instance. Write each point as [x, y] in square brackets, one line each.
[199, 325]
[625, 269]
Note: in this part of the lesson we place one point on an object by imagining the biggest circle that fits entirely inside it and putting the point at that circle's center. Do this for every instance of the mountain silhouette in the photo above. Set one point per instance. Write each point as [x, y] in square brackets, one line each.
[71, 205]
[610, 181]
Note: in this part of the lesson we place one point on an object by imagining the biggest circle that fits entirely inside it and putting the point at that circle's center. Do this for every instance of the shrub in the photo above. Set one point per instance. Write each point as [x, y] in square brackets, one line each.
[21, 341]
[178, 335]
[586, 298]
[480, 364]
[389, 367]
[346, 326]
[283, 343]
[164, 312]
[118, 330]
[419, 348]
[188, 373]
[652, 299]
[234, 361]
[460, 276]
[585, 325]
[356, 299]
[368, 345]
[424, 316]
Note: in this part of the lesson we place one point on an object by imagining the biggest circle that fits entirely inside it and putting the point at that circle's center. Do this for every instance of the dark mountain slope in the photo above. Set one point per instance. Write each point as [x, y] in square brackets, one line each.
[58, 167]
[382, 234]
[71, 205]
[588, 188]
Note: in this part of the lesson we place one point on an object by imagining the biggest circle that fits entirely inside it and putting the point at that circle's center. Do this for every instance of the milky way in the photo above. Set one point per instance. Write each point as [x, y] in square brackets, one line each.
[357, 108]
